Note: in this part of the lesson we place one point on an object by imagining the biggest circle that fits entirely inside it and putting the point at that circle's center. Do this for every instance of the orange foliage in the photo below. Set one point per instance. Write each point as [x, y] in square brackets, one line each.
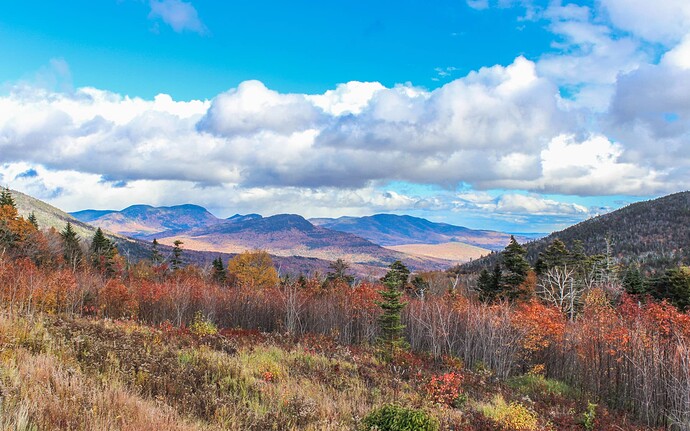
[542, 325]
[116, 301]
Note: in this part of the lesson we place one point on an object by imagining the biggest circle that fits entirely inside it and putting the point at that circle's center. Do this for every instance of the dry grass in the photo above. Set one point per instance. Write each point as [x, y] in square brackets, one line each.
[454, 251]
[96, 375]
[43, 388]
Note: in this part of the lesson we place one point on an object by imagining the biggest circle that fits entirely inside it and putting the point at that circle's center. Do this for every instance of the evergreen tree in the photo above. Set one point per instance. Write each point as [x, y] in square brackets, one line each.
[633, 283]
[176, 261]
[673, 286]
[6, 198]
[556, 254]
[390, 321]
[397, 275]
[156, 256]
[419, 285]
[32, 220]
[338, 272]
[71, 246]
[219, 274]
[489, 284]
[103, 252]
[517, 268]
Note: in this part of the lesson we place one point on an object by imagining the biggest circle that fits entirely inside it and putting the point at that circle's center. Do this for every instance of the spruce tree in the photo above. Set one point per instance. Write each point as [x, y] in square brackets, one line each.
[390, 321]
[219, 274]
[176, 261]
[633, 283]
[102, 252]
[338, 272]
[555, 255]
[6, 198]
[516, 267]
[156, 256]
[71, 246]
[32, 220]
[398, 275]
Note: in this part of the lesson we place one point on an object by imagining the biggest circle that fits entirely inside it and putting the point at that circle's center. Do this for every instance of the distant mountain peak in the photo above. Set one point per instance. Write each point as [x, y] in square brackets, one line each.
[245, 217]
[393, 230]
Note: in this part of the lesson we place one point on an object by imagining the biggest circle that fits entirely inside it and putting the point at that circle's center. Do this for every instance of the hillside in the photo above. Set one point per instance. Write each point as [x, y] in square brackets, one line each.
[390, 229]
[48, 216]
[655, 233]
[142, 220]
[134, 249]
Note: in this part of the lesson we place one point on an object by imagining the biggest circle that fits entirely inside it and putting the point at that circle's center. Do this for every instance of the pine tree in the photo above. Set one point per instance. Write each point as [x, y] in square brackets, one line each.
[6, 198]
[219, 274]
[176, 261]
[338, 272]
[633, 283]
[390, 321]
[517, 268]
[397, 275]
[32, 220]
[102, 252]
[489, 284]
[156, 256]
[71, 246]
[556, 254]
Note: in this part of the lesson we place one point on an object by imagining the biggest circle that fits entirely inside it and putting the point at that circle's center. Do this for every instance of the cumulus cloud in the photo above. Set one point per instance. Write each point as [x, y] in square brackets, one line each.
[498, 127]
[252, 108]
[665, 21]
[504, 127]
[178, 14]
[516, 204]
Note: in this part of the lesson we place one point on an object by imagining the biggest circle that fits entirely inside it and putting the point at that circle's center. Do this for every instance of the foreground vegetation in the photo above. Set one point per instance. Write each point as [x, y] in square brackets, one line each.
[87, 374]
[89, 341]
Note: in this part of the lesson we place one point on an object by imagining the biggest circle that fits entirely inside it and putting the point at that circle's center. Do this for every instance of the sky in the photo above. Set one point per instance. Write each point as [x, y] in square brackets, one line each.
[515, 115]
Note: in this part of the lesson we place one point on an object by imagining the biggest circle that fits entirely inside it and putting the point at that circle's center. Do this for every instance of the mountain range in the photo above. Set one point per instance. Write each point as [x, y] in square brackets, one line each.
[374, 240]
[654, 233]
[396, 230]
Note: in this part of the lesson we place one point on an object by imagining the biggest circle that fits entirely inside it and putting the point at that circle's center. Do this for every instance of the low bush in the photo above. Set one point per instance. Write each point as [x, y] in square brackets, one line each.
[393, 417]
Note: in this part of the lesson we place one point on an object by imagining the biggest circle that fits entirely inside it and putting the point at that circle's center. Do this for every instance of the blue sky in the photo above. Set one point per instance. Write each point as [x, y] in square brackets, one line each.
[504, 114]
[302, 46]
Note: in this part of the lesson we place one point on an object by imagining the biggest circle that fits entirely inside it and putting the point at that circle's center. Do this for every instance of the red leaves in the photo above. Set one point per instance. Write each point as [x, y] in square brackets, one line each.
[445, 389]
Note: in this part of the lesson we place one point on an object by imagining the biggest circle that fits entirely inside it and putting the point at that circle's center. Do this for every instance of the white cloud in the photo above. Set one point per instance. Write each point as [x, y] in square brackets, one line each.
[516, 204]
[501, 127]
[679, 56]
[178, 14]
[588, 56]
[349, 98]
[665, 21]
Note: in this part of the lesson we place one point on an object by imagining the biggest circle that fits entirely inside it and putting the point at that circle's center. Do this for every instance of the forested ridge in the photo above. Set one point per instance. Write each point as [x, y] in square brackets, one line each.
[654, 234]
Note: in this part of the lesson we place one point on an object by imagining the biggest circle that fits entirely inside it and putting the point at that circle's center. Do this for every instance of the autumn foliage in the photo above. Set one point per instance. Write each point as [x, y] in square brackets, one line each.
[630, 353]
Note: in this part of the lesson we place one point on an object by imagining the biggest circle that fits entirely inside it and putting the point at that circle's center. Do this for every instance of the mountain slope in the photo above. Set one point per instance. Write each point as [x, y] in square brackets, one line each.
[655, 233]
[48, 216]
[142, 220]
[133, 250]
[291, 235]
[393, 230]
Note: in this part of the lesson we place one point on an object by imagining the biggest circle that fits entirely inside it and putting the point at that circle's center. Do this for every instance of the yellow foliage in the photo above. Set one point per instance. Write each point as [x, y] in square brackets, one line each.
[253, 269]
[513, 416]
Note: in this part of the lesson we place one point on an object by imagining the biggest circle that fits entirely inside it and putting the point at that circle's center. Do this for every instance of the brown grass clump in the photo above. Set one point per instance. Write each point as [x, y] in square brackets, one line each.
[48, 391]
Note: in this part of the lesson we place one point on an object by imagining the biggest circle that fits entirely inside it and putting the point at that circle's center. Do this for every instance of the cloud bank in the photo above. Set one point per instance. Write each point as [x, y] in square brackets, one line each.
[600, 115]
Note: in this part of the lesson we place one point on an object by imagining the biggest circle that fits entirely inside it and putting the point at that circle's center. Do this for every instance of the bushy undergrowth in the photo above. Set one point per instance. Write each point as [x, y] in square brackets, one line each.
[393, 417]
